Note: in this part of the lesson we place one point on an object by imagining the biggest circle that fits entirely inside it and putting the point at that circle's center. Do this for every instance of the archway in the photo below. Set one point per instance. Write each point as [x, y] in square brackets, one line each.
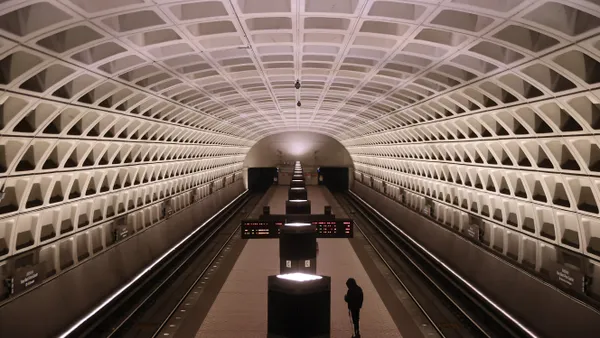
[313, 150]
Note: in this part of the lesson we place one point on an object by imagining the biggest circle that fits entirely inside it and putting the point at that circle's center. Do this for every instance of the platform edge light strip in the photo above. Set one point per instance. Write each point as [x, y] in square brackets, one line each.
[145, 271]
[472, 287]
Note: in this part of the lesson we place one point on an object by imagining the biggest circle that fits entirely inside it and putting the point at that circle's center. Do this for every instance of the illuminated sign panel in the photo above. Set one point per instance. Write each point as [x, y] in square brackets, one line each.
[340, 228]
[334, 229]
[256, 229]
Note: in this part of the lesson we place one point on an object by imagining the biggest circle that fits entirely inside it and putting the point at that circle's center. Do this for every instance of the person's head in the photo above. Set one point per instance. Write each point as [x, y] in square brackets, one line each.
[350, 283]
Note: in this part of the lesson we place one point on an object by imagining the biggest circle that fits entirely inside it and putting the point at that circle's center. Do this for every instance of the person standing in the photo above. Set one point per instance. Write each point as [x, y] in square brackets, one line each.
[354, 298]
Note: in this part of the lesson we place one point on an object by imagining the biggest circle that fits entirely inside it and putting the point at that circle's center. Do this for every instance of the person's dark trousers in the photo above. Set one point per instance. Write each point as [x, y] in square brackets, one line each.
[355, 320]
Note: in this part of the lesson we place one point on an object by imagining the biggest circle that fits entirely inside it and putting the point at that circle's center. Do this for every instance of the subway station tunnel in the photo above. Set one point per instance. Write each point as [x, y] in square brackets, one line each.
[469, 127]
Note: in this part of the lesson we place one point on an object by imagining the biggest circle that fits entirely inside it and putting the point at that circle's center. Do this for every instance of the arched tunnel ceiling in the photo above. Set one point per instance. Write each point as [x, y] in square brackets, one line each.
[109, 107]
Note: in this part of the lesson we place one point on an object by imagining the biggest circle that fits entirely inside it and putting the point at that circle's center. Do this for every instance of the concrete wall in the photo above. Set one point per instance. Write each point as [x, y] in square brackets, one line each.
[549, 312]
[312, 149]
[50, 308]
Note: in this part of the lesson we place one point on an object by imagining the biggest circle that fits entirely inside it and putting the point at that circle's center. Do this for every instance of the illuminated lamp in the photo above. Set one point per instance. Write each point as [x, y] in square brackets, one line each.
[299, 277]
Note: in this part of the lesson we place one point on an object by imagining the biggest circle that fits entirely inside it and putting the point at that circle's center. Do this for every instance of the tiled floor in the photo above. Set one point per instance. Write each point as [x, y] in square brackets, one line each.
[240, 309]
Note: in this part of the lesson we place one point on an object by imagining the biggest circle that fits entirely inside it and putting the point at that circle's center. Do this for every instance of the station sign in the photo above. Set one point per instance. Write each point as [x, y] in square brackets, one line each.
[568, 277]
[472, 231]
[28, 277]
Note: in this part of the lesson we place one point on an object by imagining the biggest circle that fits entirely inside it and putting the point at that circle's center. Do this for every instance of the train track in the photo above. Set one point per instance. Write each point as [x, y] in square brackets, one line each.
[453, 309]
[145, 309]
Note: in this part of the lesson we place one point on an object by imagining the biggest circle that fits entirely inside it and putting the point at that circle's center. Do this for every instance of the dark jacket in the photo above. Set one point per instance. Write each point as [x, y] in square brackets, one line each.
[354, 296]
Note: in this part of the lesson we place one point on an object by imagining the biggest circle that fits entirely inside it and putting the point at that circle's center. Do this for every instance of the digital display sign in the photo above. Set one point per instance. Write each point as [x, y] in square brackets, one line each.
[340, 228]
[256, 229]
[334, 229]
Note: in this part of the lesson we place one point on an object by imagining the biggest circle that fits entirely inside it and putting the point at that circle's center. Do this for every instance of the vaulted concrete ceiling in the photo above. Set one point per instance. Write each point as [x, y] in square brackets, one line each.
[108, 107]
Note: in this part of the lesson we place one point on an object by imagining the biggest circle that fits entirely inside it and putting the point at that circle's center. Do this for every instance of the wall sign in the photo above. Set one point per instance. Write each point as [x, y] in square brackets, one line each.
[474, 228]
[168, 207]
[121, 232]
[307, 263]
[27, 277]
[569, 277]
[472, 231]
[428, 208]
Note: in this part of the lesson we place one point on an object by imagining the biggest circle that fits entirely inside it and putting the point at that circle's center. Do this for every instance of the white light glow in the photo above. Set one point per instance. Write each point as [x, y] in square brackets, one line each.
[299, 277]
[296, 180]
[141, 274]
[298, 188]
[299, 147]
[297, 224]
[298, 200]
[496, 306]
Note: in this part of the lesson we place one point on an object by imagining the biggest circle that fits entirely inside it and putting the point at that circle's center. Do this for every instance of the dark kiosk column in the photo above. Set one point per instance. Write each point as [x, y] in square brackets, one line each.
[297, 193]
[299, 306]
[298, 248]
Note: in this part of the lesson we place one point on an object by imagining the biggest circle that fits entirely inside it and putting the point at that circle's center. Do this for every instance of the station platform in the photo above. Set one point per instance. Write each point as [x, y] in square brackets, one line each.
[239, 308]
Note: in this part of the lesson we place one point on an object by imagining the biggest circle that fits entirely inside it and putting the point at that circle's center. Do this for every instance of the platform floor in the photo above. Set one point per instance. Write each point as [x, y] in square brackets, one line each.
[240, 308]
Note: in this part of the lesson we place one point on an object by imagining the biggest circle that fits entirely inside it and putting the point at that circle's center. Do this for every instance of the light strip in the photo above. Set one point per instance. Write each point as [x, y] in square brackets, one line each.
[298, 200]
[299, 277]
[141, 274]
[298, 224]
[298, 188]
[496, 306]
